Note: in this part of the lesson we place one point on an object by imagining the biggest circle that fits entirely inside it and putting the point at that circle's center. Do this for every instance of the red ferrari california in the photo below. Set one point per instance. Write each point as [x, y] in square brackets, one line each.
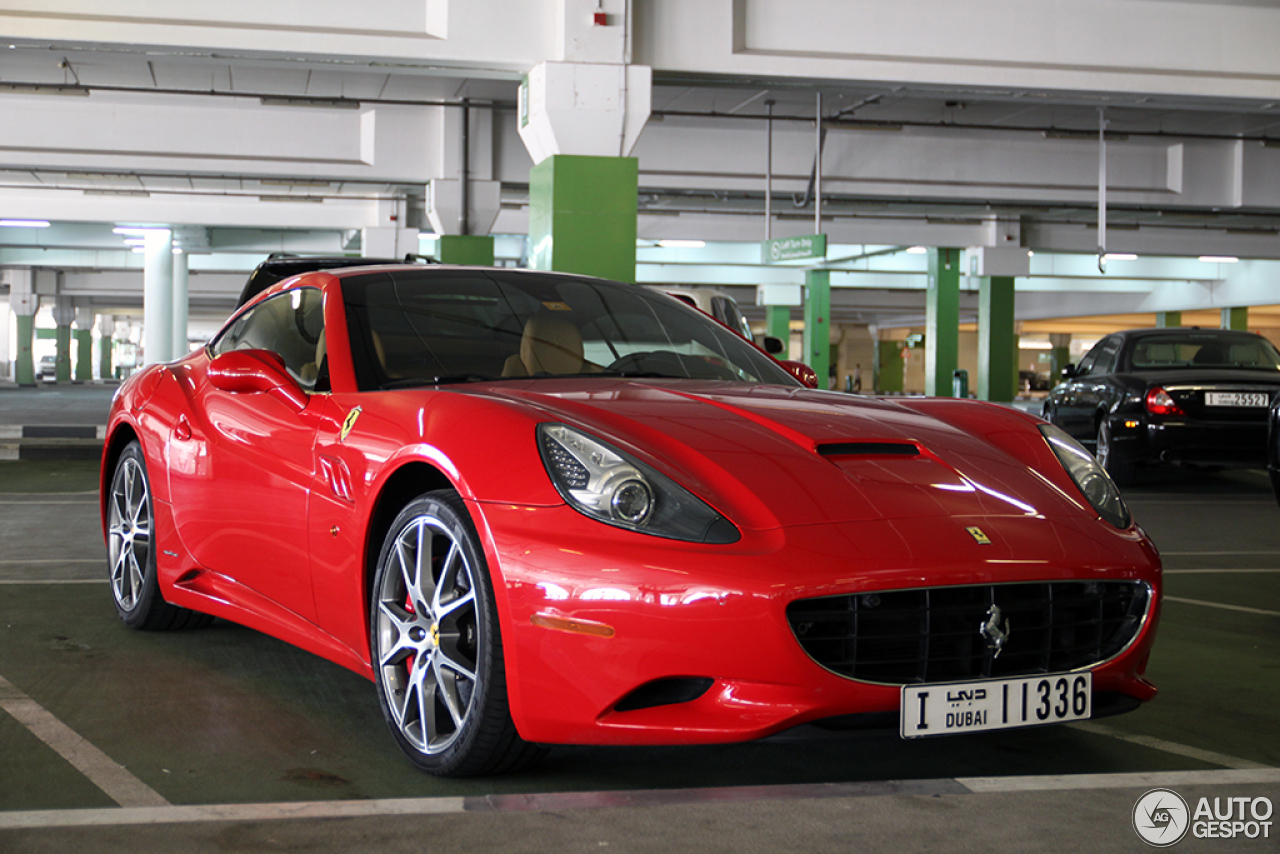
[536, 508]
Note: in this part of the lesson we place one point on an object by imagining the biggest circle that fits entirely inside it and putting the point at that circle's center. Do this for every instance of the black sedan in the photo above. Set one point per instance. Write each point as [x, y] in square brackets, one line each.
[1196, 396]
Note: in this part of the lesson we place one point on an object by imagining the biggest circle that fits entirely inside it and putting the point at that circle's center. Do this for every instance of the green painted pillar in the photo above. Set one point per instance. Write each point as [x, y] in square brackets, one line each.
[817, 324]
[475, 250]
[1059, 355]
[890, 373]
[997, 344]
[84, 355]
[106, 357]
[24, 370]
[62, 365]
[582, 215]
[777, 323]
[942, 321]
[1236, 318]
[1168, 319]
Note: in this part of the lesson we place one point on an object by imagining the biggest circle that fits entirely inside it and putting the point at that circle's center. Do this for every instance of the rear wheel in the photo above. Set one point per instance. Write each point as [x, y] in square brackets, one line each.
[436, 645]
[1121, 470]
[131, 550]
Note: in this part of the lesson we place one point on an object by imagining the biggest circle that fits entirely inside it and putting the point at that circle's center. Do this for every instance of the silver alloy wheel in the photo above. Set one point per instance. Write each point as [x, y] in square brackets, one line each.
[1102, 449]
[428, 634]
[129, 532]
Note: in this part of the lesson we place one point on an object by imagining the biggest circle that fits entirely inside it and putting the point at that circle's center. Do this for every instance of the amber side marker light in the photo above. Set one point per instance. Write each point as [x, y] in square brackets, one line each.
[567, 624]
[1131, 424]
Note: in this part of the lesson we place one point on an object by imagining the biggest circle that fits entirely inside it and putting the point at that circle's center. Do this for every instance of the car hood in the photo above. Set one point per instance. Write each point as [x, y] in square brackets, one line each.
[772, 455]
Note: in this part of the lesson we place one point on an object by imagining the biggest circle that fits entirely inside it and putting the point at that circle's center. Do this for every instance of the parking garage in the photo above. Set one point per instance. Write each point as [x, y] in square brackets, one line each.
[914, 202]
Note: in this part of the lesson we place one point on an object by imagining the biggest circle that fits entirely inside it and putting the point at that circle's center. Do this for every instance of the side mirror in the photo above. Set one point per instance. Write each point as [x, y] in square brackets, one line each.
[1069, 371]
[805, 374]
[248, 371]
[772, 346]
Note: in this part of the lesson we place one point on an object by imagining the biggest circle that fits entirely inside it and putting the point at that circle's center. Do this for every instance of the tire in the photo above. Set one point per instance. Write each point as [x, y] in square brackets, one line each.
[436, 646]
[1275, 483]
[131, 551]
[1121, 471]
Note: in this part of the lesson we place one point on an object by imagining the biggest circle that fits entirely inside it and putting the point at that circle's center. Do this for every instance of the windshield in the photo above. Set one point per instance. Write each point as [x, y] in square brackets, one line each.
[411, 327]
[1214, 351]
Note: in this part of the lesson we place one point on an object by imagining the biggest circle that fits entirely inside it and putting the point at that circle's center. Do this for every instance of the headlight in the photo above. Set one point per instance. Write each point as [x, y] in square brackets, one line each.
[607, 485]
[1092, 479]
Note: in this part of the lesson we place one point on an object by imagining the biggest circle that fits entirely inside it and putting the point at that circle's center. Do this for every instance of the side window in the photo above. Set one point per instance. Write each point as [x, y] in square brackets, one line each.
[290, 324]
[1106, 363]
[1101, 359]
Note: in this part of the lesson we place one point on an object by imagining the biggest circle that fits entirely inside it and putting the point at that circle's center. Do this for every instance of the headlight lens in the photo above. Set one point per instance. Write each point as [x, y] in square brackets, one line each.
[605, 484]
[1092, 479]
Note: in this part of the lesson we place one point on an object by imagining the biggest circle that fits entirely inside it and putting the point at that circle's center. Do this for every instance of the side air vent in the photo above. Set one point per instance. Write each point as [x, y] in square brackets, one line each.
[869, 449]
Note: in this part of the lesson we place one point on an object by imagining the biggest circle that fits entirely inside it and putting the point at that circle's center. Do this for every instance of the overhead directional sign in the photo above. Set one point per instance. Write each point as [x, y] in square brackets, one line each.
[794, 248]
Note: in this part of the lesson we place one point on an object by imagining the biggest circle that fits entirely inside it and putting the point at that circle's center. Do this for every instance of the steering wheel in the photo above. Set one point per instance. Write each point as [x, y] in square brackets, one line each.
[650, 362]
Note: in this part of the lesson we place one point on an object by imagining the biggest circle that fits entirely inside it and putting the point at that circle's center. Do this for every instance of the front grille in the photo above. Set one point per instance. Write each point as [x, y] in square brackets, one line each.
[935, 634]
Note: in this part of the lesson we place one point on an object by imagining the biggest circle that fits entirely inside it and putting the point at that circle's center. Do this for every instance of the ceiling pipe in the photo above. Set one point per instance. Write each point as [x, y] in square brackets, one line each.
[1102, 189]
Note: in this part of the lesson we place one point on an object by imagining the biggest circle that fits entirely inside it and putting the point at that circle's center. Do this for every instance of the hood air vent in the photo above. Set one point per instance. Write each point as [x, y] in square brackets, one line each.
[869, 449]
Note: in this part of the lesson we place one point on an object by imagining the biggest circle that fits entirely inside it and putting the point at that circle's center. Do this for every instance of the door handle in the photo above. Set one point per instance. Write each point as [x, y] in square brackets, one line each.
[182, 430]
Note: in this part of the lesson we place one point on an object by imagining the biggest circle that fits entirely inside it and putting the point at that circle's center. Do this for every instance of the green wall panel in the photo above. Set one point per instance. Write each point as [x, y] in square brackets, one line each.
[582, 215]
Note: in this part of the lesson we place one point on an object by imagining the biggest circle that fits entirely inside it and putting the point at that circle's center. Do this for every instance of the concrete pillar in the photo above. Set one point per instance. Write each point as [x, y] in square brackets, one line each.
[470, 249]
[777, 323]
[106, 346]
[1168, 319]
[1236, 318]
[157, 298]
[997, 343]
[1059, 355]
[582, 215]
[24, 302]
[942, 321]
[64, 314]
[181, 302]
[84, 344]
[817, 324]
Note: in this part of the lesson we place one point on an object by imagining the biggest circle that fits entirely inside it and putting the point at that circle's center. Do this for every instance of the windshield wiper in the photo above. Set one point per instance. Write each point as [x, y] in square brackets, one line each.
[444, 379]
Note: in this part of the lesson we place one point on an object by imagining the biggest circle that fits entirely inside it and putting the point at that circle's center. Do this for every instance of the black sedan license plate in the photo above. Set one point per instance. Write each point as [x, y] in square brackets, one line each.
[956, 707]
[1236, 398]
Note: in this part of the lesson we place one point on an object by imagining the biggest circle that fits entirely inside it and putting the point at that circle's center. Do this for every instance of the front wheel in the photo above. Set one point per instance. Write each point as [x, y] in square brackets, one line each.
[1122, 471]
[436, 645]
[131, 550]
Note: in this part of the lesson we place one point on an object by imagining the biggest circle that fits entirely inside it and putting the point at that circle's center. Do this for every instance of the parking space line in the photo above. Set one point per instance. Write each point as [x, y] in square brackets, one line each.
[51, 560]
[84, 502]
[1217, 554]
[1173, 747]
[313, 810]
[1219, 571]
[104, 772]
[19, 581]
[1242, 608]
[1138, 780]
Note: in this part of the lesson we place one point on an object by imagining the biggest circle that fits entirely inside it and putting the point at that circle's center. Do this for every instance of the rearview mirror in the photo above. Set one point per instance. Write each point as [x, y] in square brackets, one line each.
[1069, 371]
[248, 371]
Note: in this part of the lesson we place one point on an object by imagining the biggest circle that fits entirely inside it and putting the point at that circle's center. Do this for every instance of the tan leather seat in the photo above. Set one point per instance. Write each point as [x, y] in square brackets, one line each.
[549, 345]
[311, 370]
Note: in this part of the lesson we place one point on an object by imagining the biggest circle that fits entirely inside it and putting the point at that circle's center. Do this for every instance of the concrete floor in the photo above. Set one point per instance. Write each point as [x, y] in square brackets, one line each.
[224, 739]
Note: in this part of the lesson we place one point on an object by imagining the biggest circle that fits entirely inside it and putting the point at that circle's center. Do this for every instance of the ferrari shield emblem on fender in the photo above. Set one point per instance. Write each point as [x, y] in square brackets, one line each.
[349, 422]
[975, 532]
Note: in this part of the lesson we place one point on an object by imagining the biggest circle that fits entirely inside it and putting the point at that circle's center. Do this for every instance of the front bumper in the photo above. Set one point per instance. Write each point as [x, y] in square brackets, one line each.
[591, 614]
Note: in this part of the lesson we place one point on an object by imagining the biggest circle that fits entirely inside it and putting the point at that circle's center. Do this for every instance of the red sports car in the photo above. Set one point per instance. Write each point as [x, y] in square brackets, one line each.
[538, 508]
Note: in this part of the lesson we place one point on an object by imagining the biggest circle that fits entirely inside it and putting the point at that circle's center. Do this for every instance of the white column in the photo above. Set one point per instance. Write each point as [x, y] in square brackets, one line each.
[6, 358]
[181, 344]
[157, 298]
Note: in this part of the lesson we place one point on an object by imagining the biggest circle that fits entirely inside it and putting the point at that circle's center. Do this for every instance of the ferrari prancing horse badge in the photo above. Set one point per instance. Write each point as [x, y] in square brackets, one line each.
[349, 423]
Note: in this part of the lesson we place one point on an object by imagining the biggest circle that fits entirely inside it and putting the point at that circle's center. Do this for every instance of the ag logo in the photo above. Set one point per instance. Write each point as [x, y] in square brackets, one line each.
[1161, 817]
[349, 422]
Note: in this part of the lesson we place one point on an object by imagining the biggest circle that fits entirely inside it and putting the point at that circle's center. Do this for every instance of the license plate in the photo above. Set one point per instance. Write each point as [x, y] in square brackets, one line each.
[1236, 398]
[956, 707]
